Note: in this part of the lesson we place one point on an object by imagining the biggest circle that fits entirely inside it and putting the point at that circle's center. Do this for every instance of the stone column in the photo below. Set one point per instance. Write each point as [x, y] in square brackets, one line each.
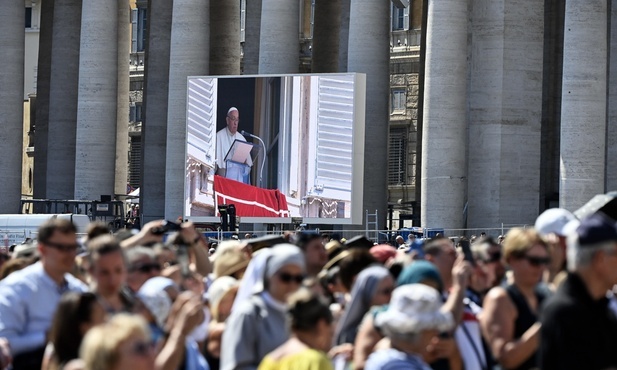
[505, 112]
[344, 35]
[225, 37]
[95, 149]
[154, 121]
[122, 114]
[444, 135]
[611, 132]
[189, 56]
[41, 124]
[326, 36]
[279, 46]
[63, 100]
[11, 103]
[252, 32]
[583, 109]
[369, 53]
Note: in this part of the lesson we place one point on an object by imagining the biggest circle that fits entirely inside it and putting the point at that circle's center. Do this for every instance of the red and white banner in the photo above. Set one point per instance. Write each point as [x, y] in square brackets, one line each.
[250, 201]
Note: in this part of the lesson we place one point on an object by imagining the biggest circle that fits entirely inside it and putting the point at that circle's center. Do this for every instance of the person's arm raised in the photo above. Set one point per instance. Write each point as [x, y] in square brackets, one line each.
[367, 338]
[145, 236]
[198, 250]
[460, 278]
[186, 314]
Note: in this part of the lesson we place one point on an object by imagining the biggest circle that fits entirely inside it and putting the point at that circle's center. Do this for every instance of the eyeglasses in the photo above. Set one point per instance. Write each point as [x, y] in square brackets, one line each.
[146, 267]
[288, 278]
[141, 349]
[67, 248]
[537, 261]
[234, 119]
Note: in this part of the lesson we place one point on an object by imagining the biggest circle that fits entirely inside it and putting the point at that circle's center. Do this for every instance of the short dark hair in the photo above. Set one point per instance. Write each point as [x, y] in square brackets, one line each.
[432, 245]
[102, 246]
[459, 243]
[352, 264]
[306, 309]
[396, 268]
[305, 237]
[97, 229]
[49, 227]
[481, 246]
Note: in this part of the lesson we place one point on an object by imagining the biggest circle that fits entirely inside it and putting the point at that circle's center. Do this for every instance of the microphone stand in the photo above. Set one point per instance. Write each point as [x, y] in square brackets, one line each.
[263, 160]
[263, 156]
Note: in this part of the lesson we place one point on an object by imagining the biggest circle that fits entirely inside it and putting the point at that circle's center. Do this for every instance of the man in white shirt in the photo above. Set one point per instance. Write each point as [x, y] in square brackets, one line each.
[29, 297]
[225, 138]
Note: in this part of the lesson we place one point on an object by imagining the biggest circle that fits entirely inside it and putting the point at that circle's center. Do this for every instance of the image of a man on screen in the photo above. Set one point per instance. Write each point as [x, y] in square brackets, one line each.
[225, 139]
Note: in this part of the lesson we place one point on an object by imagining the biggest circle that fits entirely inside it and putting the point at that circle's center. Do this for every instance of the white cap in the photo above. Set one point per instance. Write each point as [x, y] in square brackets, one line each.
[232, 109]
[553, 221]
[570, 227]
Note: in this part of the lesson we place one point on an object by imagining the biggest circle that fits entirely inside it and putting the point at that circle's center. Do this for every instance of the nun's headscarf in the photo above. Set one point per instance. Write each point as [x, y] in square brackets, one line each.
[282, 255]
[264, 265]
[418, 272]
[361, 296]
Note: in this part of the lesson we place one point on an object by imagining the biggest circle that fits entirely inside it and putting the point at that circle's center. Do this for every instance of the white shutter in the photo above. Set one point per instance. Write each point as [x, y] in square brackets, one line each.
[134, 17]
[201, 118]
[334, 138]
[242, 20]
[406, 18]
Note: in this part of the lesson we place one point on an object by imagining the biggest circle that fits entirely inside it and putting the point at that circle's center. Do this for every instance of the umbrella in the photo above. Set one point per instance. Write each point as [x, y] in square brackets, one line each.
[605, 203]
[133, 197]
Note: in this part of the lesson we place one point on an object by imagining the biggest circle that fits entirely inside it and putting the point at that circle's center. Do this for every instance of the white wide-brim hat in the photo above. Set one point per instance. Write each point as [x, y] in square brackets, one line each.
[414, 308]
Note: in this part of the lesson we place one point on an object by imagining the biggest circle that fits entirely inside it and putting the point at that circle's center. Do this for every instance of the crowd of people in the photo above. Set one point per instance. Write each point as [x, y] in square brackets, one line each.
[536, 298]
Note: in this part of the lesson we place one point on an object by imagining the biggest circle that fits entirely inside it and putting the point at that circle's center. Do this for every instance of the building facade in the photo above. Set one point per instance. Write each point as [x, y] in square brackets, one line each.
[500, 122]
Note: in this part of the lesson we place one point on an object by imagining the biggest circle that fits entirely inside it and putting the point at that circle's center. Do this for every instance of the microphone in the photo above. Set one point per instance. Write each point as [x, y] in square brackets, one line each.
[244, 133]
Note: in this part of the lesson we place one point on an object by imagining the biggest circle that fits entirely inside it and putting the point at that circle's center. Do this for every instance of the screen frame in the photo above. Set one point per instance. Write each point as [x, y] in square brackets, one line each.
[358, 153]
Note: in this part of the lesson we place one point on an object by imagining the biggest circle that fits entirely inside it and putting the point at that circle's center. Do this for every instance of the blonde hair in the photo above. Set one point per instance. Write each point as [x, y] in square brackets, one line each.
[518, 241]
[214, 309]
[99, 349]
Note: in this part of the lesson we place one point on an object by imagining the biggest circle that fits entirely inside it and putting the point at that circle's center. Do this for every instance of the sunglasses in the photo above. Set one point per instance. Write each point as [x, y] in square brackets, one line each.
[141, 349]
[288, 278]
[67, 248]
[146, 267]
[537, 261]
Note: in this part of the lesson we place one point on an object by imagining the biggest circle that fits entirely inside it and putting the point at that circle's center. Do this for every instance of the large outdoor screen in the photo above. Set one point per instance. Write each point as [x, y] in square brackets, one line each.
[276, 147]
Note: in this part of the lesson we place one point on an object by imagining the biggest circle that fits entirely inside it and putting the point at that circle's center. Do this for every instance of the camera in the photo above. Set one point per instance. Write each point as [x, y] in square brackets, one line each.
[166, 226]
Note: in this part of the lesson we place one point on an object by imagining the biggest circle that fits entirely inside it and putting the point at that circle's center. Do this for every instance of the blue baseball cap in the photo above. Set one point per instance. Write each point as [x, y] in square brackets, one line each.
[596, 229]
